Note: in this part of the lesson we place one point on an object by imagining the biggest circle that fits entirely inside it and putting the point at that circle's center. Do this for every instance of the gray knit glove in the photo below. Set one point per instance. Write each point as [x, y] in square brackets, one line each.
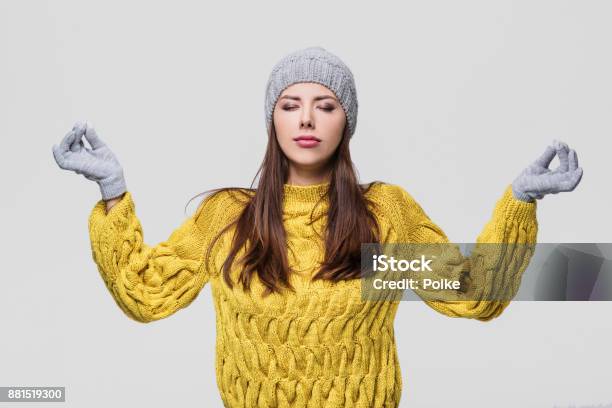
[537, 180]
[98, 164]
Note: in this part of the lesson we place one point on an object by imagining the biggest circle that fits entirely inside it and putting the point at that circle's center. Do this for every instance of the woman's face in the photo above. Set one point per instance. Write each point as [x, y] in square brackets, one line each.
[308, 110]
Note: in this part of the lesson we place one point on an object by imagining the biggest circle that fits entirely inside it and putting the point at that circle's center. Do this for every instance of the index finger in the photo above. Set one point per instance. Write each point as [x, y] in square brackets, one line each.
[92, 137]
[546, 157]
[67, 141]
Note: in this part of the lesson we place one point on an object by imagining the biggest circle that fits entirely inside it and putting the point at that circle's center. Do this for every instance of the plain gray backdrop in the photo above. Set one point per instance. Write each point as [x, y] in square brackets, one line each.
[455, 99]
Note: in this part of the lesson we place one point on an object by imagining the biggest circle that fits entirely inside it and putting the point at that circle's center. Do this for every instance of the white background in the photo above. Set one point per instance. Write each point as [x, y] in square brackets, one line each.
[455, 99]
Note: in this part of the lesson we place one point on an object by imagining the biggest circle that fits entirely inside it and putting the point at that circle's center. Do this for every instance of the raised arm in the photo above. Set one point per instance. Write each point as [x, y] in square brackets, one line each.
[487, 272]
[147, 282]
[153, 282]
[490, 276]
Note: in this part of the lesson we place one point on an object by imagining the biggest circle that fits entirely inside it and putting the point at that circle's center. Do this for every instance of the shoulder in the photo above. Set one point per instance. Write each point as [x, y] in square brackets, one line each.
[388, 196]
[394, 204]
[223, 204]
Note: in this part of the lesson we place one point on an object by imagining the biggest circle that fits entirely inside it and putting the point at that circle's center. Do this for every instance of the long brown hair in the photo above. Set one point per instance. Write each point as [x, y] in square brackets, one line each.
[350, 222]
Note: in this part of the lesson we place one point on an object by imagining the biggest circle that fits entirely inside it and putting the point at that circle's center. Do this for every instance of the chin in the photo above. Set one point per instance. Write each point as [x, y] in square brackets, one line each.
[302, 161]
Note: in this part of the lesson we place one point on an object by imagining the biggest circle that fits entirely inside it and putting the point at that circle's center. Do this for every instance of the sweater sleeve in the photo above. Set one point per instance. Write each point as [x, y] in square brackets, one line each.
[151, 282]
[489, 272]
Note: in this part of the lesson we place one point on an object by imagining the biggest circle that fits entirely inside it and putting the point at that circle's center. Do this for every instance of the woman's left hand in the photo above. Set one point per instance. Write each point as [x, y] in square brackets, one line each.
[537, 180]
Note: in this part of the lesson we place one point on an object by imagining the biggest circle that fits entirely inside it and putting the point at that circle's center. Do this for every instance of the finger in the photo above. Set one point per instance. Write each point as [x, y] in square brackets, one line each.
[577, 177]
[553, 182]
[573, 160]
[92, 137]
[546, 157]
[60, 158]
[67, 141]
[570, 183]
[57, 155]
[562, 151]
[78, 124]
[77, 143]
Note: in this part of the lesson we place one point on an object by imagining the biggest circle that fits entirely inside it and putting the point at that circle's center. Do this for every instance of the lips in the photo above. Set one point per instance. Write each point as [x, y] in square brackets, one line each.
[307, 141]
[307, 137]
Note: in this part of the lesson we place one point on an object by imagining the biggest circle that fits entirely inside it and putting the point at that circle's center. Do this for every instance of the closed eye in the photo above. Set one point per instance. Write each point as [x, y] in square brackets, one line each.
[325, 108]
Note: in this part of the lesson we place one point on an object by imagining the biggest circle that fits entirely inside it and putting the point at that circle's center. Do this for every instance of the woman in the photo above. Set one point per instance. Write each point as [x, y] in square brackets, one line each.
[283, 260]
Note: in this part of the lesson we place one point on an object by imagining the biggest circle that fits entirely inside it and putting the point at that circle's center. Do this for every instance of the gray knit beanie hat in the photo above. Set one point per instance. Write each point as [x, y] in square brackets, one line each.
[313, 64]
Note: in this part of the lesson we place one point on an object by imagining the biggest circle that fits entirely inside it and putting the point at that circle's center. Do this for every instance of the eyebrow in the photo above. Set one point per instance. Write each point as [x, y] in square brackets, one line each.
[317, 98]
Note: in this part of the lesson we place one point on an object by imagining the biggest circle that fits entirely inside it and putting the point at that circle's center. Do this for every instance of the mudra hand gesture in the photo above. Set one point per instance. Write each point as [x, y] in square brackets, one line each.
[537, 180]
[97, 163]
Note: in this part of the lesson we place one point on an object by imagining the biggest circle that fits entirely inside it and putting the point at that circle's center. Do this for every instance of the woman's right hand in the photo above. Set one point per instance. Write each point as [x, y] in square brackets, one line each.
[98, 164]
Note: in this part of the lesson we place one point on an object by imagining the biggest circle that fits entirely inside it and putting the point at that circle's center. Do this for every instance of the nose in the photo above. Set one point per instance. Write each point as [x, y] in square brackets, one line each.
[306, 119]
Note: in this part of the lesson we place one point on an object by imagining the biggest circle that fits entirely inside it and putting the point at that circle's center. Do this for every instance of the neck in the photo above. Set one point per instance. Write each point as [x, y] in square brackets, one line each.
[303, 177]
[304, 195]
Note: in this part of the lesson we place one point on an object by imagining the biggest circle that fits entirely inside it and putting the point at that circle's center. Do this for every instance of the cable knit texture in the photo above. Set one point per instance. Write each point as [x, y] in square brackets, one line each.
[322, 346]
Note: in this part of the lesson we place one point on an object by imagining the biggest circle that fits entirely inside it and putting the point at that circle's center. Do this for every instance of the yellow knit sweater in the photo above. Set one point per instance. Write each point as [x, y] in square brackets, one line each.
[322, 346]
